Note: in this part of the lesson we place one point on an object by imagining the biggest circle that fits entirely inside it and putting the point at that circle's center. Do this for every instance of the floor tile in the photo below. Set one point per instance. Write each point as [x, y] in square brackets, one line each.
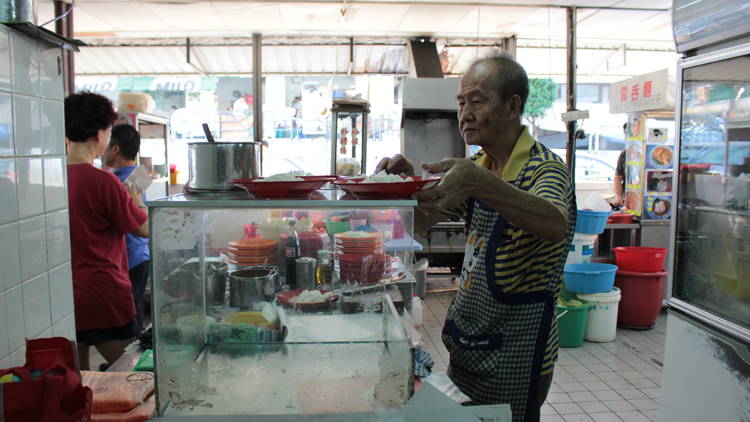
[644, 404]
[644, 383]
[547, 409]
[571, 387]
[552, 418]
[554, 398]
[631, 394]
[651, 414]
[583, 396]
[585, 377]
[631, 375]
[618, 384]
[619, 405]
[576, 368]
[566, 408]
[608, 375]
[652, 393]
[597, 386]
[593, 407]
[577, 417]
[605, 417]
[597, 367]
[633, 416]
[606, 395]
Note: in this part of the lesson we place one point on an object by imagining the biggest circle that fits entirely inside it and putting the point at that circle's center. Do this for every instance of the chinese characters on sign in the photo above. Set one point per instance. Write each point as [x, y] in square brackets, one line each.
[641, 93]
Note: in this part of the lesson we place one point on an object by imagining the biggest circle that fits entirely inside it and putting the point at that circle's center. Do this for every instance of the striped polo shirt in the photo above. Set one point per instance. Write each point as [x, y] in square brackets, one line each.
[525, 263]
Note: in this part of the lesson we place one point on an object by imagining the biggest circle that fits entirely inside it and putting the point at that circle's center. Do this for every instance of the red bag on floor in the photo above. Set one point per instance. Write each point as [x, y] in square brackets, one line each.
[49, 389]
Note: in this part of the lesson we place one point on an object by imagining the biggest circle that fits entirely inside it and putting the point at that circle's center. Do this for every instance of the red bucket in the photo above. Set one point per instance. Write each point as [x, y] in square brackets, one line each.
[641, 297]
[639, 258]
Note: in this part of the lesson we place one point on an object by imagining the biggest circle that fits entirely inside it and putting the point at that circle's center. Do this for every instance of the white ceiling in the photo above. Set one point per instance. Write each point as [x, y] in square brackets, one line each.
[540, 32]
[455, 18]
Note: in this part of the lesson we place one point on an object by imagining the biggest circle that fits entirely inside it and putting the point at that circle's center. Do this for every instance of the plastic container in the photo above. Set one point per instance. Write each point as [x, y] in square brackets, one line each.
[417, 312]
[620, 218]
[602, 320]
[571, 324]
[591, 222]
[640, 258]
[334, 227]
[642, 295]
[590, 277]
[582, 248]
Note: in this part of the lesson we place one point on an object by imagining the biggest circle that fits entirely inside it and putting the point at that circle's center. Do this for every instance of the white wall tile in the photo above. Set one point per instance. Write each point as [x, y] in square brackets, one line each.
[53, 128]
[18, 358]
[6, 124]
[30, 180]
[33, 247]
[36, 307]
[10, 260]
[58, 238]
[55, 194]
[5, 82]
[50, 72]
[14, 316]
[61, 292]
[27, 124]
[25, 64]
[45, 334]
[8, 198]
[65, 328]
[4, 345]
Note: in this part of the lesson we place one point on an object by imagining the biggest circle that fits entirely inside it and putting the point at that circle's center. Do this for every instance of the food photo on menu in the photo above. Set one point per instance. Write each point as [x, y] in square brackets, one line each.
[659, 181]
[657, 135]
[633, 200]
[659, 156]
[658, 207]
[634, 151]
[633, 174]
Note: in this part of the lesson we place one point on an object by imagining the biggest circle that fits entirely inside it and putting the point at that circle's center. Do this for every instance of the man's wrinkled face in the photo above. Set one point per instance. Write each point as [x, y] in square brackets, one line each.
[480, 109]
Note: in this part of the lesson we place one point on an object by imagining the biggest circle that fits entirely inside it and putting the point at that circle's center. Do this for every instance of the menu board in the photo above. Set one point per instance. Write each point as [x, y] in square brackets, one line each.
[659, 162]
[634, 164]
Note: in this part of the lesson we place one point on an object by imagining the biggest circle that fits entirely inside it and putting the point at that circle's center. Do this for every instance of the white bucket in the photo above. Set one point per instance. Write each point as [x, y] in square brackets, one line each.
[601, 326]
[581, 249]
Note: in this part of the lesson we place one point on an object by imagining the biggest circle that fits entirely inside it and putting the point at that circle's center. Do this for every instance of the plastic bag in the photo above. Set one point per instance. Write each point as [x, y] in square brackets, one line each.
[595, 202]
[142, 412]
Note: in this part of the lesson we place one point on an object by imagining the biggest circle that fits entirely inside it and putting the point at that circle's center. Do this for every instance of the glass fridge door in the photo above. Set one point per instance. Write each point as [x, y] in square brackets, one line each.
[712, 245]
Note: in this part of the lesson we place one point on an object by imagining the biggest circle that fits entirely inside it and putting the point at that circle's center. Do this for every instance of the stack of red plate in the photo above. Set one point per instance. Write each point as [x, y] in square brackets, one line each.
[251, 252]
[360, 257]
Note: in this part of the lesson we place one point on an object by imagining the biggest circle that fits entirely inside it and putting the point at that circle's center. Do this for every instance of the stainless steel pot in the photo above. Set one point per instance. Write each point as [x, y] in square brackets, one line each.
[213, 164]
[187, 280]
[249, 286]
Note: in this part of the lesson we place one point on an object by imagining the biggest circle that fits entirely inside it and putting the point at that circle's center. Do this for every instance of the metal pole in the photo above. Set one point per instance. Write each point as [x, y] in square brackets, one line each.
[257, 93]
[334, 136]
[364, 143]
[64, 27]
[570, 153]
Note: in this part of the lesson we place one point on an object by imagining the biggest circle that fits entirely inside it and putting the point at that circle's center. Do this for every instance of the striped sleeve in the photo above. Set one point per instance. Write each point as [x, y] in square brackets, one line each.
[550, 181]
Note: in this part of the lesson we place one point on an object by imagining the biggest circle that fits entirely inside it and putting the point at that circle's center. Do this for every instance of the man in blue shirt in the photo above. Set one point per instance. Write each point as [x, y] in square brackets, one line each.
[120, 155]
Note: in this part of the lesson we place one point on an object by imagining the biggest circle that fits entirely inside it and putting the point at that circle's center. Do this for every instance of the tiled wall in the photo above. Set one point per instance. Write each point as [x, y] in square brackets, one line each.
[36, 292]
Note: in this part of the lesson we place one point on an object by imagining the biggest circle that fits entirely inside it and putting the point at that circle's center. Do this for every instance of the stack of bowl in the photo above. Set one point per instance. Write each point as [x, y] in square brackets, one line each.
[252, 252]
[360, 257]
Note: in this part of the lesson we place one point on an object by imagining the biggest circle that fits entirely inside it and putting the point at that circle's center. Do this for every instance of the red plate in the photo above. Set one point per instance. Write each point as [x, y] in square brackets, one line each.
[281, 189]
[328, 177]
[285, 299]
[397, 190]
[255, 243]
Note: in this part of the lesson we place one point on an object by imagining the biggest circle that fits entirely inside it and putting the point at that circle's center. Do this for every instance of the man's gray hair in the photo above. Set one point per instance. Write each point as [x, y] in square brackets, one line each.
[507, 78]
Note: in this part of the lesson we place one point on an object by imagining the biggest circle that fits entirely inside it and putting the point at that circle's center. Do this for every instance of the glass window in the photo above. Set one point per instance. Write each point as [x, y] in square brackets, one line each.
[712, 259]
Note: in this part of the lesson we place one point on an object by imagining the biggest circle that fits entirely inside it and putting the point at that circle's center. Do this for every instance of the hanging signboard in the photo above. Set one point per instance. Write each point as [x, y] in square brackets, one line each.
[639, 93]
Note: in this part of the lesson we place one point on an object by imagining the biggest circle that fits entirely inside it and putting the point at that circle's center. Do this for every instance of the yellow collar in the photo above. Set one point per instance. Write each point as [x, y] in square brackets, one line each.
[518, 157]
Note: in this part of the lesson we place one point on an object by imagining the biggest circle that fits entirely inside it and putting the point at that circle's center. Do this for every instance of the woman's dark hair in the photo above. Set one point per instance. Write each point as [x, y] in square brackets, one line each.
[128, 139]
[86, 114]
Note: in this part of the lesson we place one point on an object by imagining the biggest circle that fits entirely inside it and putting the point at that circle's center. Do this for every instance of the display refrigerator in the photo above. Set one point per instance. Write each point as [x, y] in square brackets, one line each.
[706, 372]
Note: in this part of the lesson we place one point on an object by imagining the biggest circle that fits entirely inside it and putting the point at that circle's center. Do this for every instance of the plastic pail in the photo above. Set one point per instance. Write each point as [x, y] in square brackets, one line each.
[602, 323]
[571, 325]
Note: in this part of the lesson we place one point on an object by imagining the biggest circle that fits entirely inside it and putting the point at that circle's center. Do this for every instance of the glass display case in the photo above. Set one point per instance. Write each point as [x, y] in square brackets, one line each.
[712, 262]
[238, 332]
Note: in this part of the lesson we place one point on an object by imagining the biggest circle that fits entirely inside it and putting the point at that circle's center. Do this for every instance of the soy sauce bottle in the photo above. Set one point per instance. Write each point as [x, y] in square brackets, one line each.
[291, 253]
